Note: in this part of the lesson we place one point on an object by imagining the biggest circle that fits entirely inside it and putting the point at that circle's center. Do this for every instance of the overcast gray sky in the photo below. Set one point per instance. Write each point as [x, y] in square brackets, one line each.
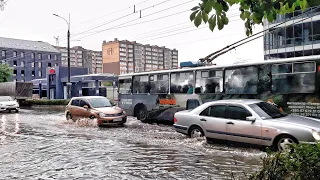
[33, 20]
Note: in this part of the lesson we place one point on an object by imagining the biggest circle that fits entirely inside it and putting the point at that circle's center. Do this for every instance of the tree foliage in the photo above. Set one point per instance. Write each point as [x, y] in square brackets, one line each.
[214, 12]
[302, 163]
[5, 73]
[2, 3]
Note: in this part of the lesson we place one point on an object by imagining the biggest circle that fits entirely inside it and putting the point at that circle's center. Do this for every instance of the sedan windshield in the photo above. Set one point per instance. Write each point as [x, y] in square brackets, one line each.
[99, 102]
[267, 111]
[5, 98]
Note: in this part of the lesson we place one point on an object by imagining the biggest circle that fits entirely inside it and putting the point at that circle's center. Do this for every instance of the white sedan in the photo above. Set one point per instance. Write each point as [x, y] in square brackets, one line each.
[8, 104]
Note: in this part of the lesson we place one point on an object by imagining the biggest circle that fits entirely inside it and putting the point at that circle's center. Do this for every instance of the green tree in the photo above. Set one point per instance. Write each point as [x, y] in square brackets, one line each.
[253, 12]
[2, 3]
[5, 73]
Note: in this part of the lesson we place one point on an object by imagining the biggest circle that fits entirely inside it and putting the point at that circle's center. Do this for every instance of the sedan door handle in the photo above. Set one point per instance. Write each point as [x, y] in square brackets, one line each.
[230, 123]
[203, 120]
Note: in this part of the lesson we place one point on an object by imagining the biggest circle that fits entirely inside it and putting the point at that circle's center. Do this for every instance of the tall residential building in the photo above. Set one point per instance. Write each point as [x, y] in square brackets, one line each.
[122, 57]
[81, 57]
[294, 38]
[30, 59]
[94, 61]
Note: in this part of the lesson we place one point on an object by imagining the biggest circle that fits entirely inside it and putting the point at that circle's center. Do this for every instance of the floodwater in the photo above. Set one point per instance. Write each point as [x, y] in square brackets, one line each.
[43, 145]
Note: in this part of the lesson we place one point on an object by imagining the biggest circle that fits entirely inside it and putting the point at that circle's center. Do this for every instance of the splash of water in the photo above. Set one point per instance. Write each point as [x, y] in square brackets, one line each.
[83, 122]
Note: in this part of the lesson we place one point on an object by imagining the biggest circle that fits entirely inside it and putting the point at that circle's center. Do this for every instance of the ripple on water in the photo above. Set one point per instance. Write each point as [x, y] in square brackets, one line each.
[47, 146]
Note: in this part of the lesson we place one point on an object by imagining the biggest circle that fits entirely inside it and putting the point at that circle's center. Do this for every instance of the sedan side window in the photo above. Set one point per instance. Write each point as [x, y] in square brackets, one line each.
[83, 103]
[75, 103]
[237, 113]
[218, 111]
[205, 112]
[214, 111]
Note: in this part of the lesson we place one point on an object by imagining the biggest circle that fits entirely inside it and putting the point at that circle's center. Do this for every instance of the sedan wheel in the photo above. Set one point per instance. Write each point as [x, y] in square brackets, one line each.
[284, 142]
[196, 132]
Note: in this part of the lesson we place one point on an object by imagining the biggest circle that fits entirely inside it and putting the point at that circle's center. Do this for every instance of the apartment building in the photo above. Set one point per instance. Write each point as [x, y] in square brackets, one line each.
[122, 57]
[81, 57]
[29, 59]
[297, 34]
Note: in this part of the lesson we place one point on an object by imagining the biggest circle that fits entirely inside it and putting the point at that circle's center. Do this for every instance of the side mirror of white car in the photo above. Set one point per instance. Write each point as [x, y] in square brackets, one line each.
[251, 118]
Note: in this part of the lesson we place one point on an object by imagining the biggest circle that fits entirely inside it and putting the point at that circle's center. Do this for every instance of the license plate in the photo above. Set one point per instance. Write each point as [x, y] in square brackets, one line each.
[117, 120]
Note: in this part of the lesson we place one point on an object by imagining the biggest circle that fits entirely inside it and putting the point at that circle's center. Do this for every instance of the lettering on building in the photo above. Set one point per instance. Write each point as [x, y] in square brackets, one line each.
[109, 51]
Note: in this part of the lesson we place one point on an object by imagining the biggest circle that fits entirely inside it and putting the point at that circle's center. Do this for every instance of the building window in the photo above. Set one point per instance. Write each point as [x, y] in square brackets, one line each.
[15, 72]
[32, 55]
[56, 64]
[3, 53]
[22, 72]
[22, 54]
[55, 57]
[14, 53]
[39, 56]
[39, 74]
[22, 63]
[39, 64]
[49, 64]
[14, 63]
[32, 74]
[49, 56]
[32, 64]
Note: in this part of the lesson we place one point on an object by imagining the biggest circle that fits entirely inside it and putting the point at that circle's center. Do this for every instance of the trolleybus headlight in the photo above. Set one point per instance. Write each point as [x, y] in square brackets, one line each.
[123, 112]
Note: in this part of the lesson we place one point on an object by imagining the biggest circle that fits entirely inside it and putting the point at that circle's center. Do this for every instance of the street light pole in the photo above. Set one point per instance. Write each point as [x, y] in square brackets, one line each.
[68, 49]
[69, 71]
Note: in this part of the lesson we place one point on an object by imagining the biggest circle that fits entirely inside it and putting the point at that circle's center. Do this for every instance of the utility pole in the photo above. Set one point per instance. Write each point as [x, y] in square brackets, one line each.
[69, 74]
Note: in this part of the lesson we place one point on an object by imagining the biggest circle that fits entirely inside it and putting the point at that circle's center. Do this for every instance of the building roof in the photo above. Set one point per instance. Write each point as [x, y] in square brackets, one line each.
[27, 45]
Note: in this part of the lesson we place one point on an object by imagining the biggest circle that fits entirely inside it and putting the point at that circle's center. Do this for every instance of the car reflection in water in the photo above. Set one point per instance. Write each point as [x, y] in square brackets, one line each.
[247, 121]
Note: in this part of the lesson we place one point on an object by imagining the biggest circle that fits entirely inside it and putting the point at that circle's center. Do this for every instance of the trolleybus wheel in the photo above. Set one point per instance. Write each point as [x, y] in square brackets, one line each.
[141, 113]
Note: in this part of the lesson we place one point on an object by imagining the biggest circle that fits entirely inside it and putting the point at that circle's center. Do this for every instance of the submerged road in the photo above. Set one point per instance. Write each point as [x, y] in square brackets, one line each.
[43, 145]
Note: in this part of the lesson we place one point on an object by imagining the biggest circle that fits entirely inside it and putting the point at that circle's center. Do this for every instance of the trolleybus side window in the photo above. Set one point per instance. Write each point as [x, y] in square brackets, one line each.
[125, 86]
[300, 78]
[141, 84]
[264, 85]
[159, 83]
[242, 80]
[182, 82]
[209, 81]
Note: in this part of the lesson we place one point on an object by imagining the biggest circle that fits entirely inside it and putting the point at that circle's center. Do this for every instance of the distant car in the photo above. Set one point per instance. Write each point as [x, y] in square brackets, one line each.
[247, 121]
[7, 103]
[95, 107]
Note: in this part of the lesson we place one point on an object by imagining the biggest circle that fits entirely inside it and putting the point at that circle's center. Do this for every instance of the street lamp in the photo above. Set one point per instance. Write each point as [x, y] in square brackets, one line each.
[68, 35]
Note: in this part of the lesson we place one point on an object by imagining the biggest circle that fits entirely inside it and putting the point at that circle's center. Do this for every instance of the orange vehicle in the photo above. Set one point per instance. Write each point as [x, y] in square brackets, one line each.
[95, 107]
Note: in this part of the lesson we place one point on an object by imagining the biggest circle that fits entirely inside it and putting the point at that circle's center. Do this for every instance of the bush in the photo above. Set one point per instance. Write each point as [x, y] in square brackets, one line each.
[302, 162]
[31, 102]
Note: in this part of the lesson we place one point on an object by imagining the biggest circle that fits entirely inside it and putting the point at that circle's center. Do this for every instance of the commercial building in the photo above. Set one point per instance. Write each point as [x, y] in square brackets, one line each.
[294, 38]
[83, 58]
[122, 57]
[54, 85]
[30, 59]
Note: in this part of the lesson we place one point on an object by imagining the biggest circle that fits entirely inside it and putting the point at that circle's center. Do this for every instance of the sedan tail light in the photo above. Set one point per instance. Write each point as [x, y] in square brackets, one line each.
[175, 120]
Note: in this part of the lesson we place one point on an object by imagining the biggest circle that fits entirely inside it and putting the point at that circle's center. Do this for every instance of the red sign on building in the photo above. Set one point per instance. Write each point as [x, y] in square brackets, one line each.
[52, 71]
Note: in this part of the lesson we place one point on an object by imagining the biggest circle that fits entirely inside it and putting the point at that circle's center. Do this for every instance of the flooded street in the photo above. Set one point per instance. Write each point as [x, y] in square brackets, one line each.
[43, 145]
